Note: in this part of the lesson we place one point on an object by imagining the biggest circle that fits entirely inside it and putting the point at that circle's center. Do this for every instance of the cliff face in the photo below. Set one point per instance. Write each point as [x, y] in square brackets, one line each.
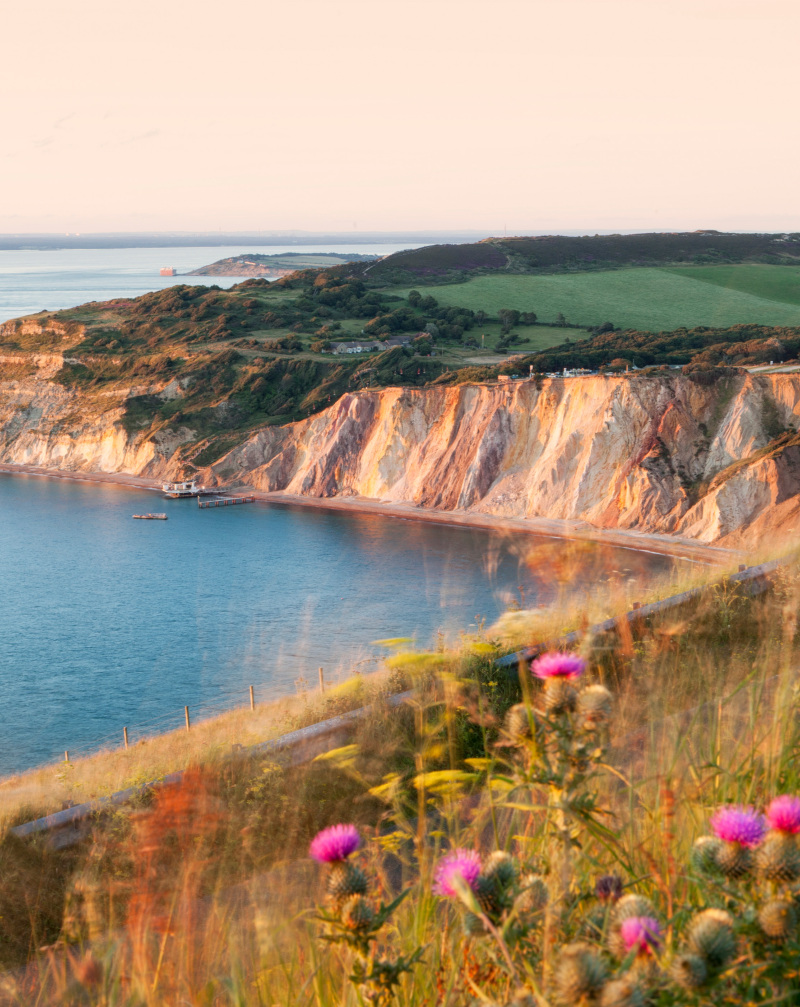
[659, 453]
[43, 423]
[652, 453]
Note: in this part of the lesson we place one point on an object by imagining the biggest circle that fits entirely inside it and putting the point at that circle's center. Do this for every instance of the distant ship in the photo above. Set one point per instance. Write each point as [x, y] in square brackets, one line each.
[169, 271]
[189, 488]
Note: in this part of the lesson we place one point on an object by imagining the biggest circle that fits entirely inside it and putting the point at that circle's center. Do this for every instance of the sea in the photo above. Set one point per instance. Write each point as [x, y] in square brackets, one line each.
[107, 622]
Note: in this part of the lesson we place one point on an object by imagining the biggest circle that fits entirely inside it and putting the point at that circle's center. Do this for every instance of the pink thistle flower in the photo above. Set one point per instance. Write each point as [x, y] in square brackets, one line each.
[558, 665]
[335, 843]
[737, 824]
[464, 863]
[784, 814]
[641, 934]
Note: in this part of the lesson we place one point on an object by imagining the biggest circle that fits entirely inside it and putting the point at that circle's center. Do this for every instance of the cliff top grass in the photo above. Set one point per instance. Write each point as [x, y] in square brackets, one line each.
[206, 893]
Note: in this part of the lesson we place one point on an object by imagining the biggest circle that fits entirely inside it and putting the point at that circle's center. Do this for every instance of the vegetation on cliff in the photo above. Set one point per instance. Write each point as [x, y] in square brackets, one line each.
[215, 364]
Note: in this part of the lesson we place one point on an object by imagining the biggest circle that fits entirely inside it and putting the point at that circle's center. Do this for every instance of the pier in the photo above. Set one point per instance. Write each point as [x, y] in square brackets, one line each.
[223, 501]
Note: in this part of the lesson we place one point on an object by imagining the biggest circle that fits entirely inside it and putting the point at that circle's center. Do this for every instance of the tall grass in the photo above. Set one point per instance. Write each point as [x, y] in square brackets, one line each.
[204, 894]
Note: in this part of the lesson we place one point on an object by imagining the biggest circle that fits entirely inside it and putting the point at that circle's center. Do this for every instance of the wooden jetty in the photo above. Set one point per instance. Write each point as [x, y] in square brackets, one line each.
[223, 501]
[150, 517]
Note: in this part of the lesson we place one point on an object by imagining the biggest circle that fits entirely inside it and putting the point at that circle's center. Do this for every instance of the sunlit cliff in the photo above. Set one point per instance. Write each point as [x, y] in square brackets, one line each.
[716, 461]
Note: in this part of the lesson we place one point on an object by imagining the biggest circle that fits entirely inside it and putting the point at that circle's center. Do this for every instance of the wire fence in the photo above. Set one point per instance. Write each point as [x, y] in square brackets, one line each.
[183, 718]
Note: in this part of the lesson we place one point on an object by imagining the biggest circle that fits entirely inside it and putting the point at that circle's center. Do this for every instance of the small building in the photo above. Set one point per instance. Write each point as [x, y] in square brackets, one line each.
[169, 271]
[403, 340]
[356, 346]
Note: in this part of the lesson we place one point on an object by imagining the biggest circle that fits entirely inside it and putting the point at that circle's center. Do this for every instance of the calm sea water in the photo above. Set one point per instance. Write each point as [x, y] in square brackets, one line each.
[106, 621]
[53, 279]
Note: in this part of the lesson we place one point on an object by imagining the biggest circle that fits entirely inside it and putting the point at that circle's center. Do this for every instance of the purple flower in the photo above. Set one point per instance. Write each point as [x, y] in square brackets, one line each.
[737, 824]
[608, 888]
[558, 665]
[641, 934]
[784, 814]
[335, 843]
[464, 863]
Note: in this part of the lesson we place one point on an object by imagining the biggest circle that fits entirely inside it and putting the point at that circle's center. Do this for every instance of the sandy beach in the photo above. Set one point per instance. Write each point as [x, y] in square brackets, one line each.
[680, 548]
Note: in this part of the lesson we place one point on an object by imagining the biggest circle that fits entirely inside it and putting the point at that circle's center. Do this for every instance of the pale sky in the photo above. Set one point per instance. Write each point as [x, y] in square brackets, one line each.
[399, 114]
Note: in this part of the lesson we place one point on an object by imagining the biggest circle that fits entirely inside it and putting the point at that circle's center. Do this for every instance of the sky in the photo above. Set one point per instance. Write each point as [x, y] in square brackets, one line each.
[500, 115]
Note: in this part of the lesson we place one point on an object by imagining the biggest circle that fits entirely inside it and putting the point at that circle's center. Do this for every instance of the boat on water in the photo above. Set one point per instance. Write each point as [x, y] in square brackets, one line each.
[187, 488]
[150, 517]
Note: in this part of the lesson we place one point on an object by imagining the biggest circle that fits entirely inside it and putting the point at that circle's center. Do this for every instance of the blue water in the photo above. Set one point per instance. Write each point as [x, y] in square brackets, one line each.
[36, 279]
[106, 621]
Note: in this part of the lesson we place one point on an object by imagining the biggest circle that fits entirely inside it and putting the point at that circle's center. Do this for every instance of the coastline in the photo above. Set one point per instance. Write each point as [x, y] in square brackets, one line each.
[665, 545]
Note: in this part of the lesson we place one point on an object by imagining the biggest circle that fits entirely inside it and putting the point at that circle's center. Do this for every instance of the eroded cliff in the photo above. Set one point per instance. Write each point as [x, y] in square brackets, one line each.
[716, 461]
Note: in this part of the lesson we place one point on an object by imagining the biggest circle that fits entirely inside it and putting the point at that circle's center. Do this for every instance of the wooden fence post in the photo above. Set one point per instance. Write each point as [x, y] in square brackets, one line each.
[321, 681]
[125, 737]
[186, 714]
[66, 756]
[252, 699]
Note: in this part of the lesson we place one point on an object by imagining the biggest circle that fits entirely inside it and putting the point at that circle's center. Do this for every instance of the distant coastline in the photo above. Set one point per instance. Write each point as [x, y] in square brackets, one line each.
[183, 239]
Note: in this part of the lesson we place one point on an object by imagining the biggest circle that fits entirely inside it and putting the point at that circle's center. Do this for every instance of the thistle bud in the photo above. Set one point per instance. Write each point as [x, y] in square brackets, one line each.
[778, 919]
[734, 860]
[632, 905]
[500, 867]
[357, 914]
[711, 937]
[778, 859]
[689, 971]
[344, 881]
[488, 894]
[621, 993]
[579, 974]
[704, 857]
[594, 705]
[560, 696]
[533, 897]
[519, 720]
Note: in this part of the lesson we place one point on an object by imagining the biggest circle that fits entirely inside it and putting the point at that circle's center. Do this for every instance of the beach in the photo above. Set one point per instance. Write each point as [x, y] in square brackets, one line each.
[665, 545]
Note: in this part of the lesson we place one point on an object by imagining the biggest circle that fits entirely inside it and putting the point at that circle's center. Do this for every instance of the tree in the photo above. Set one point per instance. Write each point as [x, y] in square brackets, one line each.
[480, 317]
[508, 318]
[561, 320]
[414, 297]
[528, 317]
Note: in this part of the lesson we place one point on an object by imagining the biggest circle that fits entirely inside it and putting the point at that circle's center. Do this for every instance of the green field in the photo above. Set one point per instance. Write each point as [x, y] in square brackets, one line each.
[776, 283]
[654, 299]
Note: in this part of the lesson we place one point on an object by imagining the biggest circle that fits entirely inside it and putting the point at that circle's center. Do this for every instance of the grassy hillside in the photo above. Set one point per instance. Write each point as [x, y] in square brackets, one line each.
[648, 298]
[554, 253]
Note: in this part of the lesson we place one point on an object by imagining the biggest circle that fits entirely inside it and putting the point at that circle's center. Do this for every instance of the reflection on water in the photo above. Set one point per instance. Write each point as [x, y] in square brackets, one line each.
[107, 621]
